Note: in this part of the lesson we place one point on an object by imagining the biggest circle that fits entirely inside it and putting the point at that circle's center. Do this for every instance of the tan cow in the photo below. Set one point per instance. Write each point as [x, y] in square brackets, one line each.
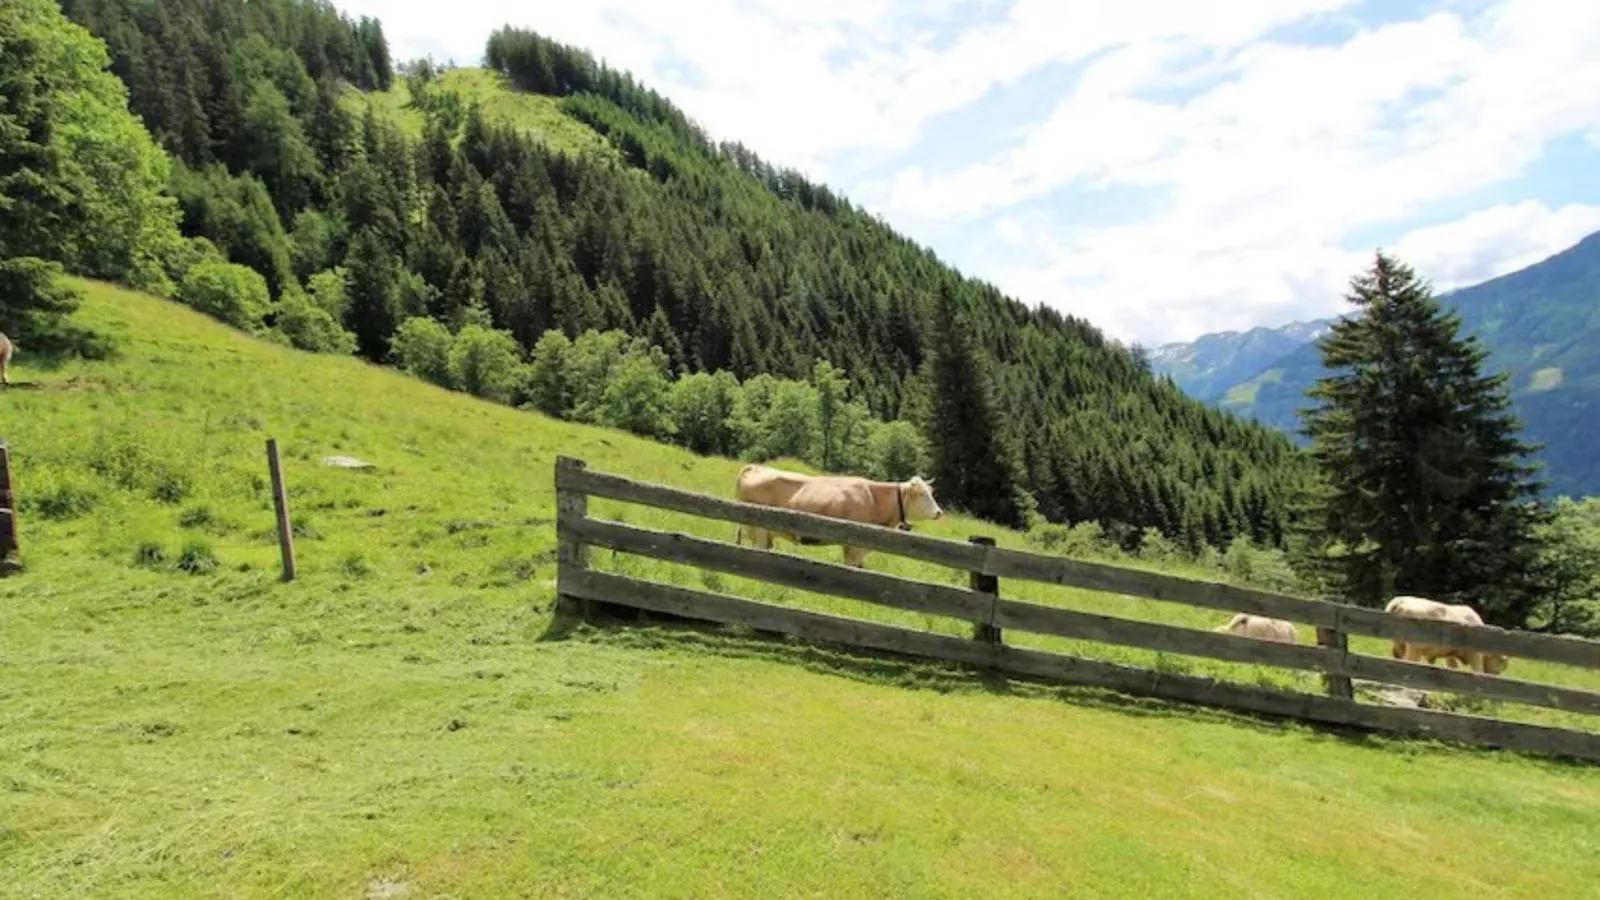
[887, 503]
[1434, 611]
[1246, 625]
[6, 350]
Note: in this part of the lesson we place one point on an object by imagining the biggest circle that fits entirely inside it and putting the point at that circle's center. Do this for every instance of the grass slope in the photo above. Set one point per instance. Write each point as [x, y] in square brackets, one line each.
[536, 114]
[403, 715]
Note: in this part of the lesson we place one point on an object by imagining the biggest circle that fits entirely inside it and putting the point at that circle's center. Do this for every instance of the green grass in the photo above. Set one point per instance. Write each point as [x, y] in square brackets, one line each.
[535, 114]
[404, 713]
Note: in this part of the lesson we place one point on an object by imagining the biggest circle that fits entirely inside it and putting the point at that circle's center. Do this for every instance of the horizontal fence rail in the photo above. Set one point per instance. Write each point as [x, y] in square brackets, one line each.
[992, 616]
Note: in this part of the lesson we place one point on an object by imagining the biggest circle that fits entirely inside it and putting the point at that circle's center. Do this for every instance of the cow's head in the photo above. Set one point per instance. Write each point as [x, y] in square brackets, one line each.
[919, 500]
[1495, 663]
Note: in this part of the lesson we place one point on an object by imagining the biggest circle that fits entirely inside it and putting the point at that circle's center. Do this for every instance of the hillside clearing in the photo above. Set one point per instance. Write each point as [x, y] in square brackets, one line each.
[535, 114]
[403, 714]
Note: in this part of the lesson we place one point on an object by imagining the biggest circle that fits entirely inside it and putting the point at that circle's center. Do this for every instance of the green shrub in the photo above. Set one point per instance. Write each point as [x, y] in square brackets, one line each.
[60, 498]
[421, 346]
[197, 558]
[309, 326]
[1259, 567]
[149, 555]
[230, 292]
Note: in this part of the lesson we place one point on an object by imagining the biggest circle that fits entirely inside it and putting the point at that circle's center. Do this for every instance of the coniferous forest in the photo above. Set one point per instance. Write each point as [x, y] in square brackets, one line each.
[351, 227]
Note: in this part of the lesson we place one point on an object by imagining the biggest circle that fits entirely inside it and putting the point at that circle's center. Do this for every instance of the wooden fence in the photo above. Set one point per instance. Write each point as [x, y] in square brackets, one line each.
[10, 558]
[981, 605]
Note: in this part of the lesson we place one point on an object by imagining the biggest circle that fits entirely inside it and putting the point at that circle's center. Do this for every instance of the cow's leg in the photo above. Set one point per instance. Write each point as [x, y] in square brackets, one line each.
[855, 556]
[1397, 649]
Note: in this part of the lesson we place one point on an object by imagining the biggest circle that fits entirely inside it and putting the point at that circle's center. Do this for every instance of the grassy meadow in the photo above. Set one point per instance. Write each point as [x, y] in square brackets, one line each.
[407, 719]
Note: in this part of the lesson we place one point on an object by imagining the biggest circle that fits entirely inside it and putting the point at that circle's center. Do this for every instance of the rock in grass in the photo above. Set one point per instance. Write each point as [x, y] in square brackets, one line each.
[346, 462]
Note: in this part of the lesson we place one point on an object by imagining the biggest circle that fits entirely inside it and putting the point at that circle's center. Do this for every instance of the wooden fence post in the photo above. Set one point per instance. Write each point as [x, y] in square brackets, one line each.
[572, 554]
[988, 633]
[10, 560]
[1337, 640]
[280, 501]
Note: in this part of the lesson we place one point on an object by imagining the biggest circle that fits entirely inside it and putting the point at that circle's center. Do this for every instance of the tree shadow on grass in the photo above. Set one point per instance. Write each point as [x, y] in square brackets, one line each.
[52, 349]
[635, 629]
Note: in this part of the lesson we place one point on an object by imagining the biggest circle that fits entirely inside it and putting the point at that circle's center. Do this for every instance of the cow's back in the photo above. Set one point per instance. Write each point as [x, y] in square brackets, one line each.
[1461, 614]
[839, 497]
[1262, 627]
[768, 486]
[1417, 608]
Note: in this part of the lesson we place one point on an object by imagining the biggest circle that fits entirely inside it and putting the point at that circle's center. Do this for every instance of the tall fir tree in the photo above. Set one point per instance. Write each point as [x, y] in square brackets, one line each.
[972, 467]
[373, 286]
[1425, 488]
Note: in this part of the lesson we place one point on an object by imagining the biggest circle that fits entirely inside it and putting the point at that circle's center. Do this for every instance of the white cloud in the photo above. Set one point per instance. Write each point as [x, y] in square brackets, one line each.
[1270, 172]
[1495, 241]
[1287, 152]
[767, 77]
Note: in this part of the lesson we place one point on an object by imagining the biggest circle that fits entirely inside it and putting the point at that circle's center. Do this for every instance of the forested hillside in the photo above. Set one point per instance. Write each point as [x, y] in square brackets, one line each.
[721, 260]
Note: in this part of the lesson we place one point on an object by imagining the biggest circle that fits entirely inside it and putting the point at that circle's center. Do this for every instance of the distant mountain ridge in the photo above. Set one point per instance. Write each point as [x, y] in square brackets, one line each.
[1208, 366]
[1541, 323]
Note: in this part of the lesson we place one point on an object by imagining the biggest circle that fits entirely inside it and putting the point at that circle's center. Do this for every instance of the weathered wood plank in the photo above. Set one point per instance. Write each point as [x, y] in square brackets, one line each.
[1005, 563]
[8, 542]
[721, 608]
[989, 587]
[280, 507]
[1336, 641]
[1156, 586]
[1571, 651]
[1330, 661]
[10, 546]
[982, 609]
[784, 569]
[1155, 636]
[1057, 667]
[1495, 687]
[938, 551]
[1318, 613]
[571, 554]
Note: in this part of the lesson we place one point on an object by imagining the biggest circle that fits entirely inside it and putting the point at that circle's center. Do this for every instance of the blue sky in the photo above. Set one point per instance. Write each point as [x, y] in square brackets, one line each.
[1162, 168]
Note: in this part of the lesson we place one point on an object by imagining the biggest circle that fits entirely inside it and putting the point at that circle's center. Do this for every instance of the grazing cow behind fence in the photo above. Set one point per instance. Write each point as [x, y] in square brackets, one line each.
[6, 350]
[886, 503]
[1433, 610]
[1246, 625]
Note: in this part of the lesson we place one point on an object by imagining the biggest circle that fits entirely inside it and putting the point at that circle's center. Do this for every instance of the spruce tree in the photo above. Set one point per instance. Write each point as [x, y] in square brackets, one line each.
[1424, 486]
[373, 285]
[971, 466]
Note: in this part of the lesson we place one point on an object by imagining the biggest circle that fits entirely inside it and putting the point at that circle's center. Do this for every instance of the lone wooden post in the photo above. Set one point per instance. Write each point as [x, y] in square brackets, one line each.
[280, 500]
[10, 561]
[988, 633]
[1335, 639]
[572, 555]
